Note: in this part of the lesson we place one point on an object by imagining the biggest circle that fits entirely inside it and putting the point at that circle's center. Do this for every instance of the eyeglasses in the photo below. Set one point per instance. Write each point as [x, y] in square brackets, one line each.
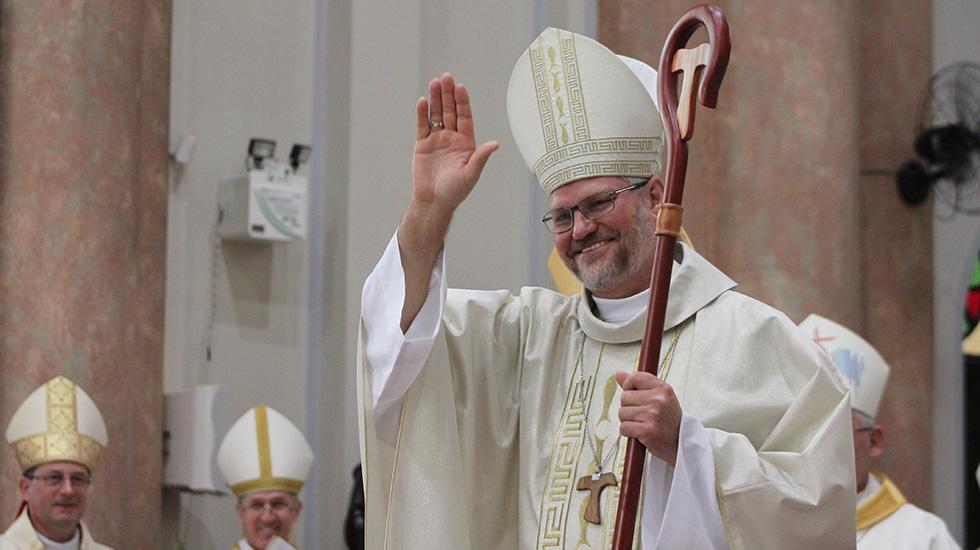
[78, 481]
[259, 506]
[592, 207]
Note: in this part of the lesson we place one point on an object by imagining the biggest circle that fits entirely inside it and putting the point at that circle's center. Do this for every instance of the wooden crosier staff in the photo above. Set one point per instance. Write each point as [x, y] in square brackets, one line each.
[677, 114]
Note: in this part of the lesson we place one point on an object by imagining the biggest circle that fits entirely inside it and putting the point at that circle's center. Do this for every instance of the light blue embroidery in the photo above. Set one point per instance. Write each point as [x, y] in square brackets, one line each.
[851, 364]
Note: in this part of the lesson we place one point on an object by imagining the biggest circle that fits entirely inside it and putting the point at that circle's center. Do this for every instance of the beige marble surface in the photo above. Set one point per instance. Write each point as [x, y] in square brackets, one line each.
[84, 99]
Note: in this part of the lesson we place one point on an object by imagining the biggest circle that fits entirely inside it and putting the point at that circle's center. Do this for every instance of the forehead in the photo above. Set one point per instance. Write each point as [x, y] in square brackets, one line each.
[67, 468]
[574, 192]
[267, 496]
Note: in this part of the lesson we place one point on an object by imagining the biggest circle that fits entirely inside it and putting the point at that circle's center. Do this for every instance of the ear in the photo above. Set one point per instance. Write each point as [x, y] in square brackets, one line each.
[656, 190]
[877, 447]
[25, 484]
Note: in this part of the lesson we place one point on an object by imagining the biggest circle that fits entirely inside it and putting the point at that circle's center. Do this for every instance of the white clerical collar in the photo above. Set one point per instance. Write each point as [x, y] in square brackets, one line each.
[870, 490]
[73, 544]
[619, 310]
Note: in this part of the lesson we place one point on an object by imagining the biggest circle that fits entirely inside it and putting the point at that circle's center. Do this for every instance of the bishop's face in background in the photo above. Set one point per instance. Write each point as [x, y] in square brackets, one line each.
[611, 254]
[55, 494]
[266, 514]
[868, 439]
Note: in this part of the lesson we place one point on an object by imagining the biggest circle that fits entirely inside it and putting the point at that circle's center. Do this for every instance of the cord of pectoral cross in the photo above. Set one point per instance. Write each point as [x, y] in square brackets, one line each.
[590, 433]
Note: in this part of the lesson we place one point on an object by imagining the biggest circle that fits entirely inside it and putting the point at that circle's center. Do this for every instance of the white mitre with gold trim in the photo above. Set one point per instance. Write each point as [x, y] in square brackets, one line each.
[577, 111]
[57, 422]
[863, 367]
[264, 451]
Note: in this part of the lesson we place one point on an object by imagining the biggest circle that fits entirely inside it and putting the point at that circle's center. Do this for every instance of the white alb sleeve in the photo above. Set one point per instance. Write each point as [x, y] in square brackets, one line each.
[680, 506]
[393, 359]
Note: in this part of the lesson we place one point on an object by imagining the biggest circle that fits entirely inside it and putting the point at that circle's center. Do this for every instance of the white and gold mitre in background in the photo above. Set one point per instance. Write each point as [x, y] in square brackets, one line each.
[864, 368]
[58, 422]
[264, 451]
[577, 110]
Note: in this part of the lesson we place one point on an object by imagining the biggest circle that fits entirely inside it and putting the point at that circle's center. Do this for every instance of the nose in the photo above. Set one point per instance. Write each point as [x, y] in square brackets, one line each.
[66, 488]
[582, 226]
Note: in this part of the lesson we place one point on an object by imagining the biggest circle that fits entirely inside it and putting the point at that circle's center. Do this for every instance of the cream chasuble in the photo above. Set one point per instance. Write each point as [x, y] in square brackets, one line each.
[21, 536]
[885, 520]
[491, 437]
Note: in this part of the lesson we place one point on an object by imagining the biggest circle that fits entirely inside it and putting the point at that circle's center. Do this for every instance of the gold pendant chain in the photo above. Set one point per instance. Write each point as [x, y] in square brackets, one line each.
[590, 433]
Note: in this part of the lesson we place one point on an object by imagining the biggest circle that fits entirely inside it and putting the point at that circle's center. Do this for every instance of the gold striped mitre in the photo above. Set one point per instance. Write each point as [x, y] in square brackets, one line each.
[264, 451]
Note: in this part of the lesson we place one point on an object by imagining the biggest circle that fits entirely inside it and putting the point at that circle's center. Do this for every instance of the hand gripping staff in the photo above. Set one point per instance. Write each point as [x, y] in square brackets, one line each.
[677, 113]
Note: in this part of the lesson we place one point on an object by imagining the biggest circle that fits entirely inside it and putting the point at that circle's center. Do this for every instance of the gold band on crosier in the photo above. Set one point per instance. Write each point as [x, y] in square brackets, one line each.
[669, 219]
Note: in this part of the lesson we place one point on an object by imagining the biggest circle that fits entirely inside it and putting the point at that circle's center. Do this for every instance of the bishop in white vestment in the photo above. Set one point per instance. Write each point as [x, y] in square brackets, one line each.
[885, 519]
[265, 459]
[58, 435]
[493, 420]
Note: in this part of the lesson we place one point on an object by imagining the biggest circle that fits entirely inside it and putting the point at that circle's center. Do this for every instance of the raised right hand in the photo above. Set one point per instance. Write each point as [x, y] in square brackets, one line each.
[447, 163]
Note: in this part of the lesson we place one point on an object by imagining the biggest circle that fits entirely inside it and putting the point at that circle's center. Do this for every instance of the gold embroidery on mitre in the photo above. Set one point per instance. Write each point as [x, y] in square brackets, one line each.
[269, 483]
[570, 150]
[62, 440]
[262, 441]
[266, 481]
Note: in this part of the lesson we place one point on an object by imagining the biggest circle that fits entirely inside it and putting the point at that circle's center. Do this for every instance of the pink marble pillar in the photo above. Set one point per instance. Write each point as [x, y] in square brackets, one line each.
[84, 99]
[895, 65]
[815, 94]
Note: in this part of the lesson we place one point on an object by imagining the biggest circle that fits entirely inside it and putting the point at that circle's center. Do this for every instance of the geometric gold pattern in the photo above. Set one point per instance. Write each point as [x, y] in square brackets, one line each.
[571, 149]
[62, 440]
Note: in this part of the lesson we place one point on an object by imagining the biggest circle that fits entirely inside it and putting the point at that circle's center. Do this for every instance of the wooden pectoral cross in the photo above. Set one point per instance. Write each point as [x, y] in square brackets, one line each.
[594, 485]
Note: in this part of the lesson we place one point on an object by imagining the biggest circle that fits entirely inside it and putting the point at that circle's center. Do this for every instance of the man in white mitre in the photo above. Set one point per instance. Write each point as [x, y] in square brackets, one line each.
[265, 459]
[495, 420]
[58, 435]
[884, 518]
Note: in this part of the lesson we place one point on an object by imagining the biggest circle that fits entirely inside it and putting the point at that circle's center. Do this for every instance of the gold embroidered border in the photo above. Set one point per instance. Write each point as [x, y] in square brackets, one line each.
[543, 98]
[72, 447]
[262, 441]
[558, 91]
[560, 478]
[270, 483]
[598, 168]
[610, 145]
[573, 85]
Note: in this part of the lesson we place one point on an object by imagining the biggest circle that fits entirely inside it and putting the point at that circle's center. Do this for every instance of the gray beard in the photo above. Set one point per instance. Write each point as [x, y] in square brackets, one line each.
[633, 253]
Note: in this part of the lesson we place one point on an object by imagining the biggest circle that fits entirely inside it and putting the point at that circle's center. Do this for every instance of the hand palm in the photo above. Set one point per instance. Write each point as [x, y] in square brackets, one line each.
[447, 163]
[439, 167]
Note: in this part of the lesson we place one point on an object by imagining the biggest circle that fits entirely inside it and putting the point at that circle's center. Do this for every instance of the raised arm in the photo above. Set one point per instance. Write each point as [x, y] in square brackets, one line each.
[445, 167]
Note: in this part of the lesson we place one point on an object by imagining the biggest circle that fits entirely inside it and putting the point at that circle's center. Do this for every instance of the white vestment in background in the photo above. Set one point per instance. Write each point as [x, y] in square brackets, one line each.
[479, 437]
[21, 536]
[887, 522]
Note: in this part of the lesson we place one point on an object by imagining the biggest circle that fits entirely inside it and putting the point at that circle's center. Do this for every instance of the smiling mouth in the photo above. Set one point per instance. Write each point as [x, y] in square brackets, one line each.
[592, 247]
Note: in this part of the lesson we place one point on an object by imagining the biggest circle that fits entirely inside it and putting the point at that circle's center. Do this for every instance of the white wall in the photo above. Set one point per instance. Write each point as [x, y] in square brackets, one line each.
[240, 68]
[343, 75]
[955, 241]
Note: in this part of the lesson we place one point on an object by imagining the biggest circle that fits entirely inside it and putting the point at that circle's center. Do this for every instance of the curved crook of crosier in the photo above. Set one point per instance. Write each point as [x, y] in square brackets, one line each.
[719, 40]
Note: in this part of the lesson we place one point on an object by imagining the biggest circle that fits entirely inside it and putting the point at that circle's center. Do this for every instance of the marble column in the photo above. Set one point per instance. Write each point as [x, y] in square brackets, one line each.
[84, 103]
[783, 191]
